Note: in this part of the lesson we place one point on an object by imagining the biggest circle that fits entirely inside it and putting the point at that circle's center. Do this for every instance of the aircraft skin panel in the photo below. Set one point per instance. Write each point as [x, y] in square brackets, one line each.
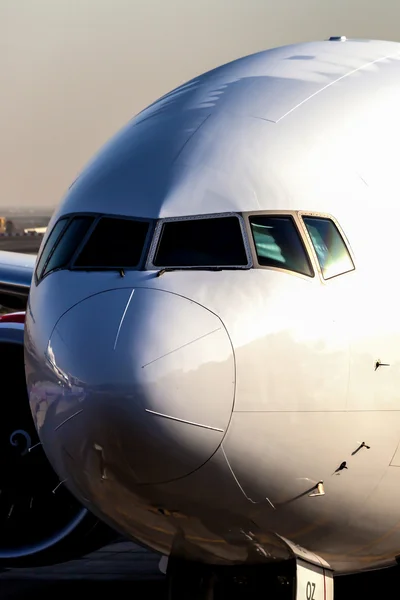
[313, 66]
[171, 377]
[16, 270]
[291, 152]
[323, 441]
[17, 260]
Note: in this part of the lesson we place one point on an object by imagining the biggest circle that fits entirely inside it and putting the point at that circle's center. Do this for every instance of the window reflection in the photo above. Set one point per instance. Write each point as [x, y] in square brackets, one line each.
[331, 250]
[68, 243]
[49, 246]
[278, 244]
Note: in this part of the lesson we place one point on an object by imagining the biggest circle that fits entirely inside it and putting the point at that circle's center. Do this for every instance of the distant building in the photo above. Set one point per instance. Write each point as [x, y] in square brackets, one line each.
[9, 226]
[6, 225]
[39, 230]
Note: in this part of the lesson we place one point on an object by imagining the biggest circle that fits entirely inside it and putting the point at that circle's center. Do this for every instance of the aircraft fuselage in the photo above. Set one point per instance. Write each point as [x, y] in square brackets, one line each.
[209, 412]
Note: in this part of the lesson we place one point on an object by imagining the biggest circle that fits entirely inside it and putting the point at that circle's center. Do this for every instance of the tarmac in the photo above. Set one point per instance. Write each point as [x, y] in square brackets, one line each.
[117, 567]
[28, 244]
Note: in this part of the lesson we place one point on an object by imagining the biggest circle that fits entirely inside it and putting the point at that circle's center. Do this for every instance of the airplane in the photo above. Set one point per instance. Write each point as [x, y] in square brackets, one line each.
[208, 339]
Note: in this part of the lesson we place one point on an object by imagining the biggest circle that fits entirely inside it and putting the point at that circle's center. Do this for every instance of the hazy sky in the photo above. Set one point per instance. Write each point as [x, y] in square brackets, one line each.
[73, 71]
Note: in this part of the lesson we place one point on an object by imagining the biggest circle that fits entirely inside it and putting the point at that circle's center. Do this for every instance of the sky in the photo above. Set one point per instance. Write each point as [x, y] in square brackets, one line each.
[72, 72]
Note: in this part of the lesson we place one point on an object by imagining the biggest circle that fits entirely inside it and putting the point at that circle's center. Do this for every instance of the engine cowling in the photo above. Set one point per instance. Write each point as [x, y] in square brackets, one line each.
[41, 523]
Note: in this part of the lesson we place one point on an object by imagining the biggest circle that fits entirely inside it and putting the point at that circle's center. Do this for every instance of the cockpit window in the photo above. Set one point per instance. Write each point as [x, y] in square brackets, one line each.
[49, 245]
[332, 253]
[278, 244]
[114, 243]
[201, 242]
[68, 243]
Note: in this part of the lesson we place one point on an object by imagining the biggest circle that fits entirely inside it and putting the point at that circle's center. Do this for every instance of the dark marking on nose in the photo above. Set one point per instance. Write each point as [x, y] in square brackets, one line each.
[380, 364]
[301, 57]
[363, 445]
[341, 467]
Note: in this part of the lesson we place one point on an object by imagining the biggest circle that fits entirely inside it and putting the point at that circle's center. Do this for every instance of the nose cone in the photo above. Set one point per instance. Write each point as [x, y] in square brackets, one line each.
[139, 387]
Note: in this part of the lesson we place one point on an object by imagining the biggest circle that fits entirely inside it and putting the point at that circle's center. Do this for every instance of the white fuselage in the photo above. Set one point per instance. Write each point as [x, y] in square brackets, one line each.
[196, 411]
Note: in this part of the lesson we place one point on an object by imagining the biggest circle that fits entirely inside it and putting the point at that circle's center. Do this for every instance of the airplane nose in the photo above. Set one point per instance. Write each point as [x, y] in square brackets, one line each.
[143, 387]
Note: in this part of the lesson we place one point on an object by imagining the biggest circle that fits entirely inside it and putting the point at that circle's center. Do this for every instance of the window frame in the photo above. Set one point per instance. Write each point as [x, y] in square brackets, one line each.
[157, 234]
[37, 277]
[329, 217]
[141, 263]
[70, 266]
[305, 242]
[154, 233]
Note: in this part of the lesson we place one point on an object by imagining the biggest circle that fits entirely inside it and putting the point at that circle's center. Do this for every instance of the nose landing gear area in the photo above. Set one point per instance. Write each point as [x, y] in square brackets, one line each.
[124, 566]
[294, 579]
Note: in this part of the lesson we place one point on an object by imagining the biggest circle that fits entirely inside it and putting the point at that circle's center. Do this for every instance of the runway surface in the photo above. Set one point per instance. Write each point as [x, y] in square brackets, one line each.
[22, 243]
[109, 570]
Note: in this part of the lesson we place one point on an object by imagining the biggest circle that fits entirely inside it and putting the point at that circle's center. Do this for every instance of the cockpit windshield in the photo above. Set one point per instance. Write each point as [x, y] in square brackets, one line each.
[215, 241]
[330, 248]
[278, 244]
[114, 243]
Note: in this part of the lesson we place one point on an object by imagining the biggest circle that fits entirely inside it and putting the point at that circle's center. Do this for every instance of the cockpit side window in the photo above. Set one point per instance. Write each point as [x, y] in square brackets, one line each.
[49, 246]
[330, 248]
[94, 242]
[213, 241]
[278, 244]
[68, 243]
